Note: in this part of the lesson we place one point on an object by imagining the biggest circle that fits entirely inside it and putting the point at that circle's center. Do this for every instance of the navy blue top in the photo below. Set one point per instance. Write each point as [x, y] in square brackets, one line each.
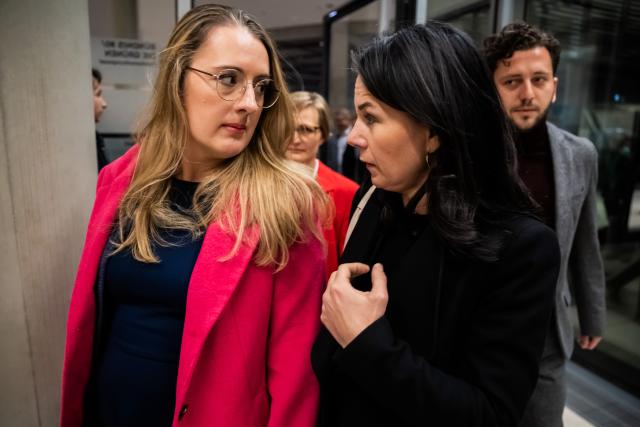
[135, 378]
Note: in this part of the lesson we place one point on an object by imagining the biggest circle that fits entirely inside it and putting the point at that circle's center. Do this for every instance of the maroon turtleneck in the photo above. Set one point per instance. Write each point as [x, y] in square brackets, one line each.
[535, 167]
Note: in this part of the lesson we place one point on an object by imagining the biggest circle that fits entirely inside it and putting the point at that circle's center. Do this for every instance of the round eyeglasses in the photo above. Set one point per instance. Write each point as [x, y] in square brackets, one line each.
[231, 85]
[305, 130]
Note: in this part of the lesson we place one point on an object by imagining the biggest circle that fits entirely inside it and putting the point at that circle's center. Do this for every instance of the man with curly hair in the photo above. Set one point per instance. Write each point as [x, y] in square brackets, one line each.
[560, 170]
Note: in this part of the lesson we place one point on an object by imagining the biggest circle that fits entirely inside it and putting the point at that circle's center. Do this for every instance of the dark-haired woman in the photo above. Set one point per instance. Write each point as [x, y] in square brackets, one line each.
[438, 314]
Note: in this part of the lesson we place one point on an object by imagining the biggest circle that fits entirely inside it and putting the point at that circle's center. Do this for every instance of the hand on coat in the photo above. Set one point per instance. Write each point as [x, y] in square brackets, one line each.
[346, 311]
[588, 342]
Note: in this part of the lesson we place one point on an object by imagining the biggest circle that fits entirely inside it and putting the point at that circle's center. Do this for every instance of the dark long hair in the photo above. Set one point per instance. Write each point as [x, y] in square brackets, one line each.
[434, 73]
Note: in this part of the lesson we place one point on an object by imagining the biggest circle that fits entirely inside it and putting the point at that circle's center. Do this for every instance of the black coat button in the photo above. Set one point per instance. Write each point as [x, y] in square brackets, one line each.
[183, 411]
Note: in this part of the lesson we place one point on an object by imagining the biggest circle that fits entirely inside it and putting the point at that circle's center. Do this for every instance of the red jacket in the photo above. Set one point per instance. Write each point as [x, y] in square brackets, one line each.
[245, 353]
[341, 190]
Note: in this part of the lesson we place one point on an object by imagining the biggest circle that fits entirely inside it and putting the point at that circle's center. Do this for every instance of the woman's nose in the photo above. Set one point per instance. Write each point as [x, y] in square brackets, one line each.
[355, 138]
[296, 136]
[247, 101]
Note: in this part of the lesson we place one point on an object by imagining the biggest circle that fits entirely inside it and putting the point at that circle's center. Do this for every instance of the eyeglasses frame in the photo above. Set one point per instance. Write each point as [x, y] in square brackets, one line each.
[244, 89]
[314, 130]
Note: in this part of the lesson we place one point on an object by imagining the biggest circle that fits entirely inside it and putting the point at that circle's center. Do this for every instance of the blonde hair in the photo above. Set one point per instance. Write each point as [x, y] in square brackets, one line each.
[256, 187]
[303, 99]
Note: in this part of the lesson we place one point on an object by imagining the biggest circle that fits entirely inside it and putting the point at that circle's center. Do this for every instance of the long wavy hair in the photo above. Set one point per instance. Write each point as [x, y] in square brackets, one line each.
[256, 187]
[435, 73]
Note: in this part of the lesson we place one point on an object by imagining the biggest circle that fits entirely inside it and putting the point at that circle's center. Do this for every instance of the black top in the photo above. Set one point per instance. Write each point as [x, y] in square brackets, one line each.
[460, 342]
[535, 167]
[396, 236]
[136, 374]
[100, 151]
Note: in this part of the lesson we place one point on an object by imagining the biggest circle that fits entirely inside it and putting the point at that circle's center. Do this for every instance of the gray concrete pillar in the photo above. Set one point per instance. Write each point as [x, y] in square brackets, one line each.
[47, 180]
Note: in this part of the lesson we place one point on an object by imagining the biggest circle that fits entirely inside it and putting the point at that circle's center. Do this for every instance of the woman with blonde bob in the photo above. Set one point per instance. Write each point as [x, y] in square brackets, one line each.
[198, 293]
[312, 120]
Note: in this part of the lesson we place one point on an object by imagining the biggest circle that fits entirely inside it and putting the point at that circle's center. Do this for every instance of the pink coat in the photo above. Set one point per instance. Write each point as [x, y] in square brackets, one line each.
[245, 353]
[341, 191]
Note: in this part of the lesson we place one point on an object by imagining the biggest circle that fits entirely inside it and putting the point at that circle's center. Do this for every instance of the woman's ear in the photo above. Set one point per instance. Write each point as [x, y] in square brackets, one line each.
[433, 142]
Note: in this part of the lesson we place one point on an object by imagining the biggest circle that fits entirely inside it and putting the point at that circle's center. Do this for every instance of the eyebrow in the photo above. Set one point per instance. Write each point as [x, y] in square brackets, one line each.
[234, 67]
[364, 105]
[535, 73]
[510, 76]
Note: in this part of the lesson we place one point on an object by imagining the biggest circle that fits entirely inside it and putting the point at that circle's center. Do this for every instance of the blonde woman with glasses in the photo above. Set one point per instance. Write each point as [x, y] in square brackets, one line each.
[312, 130]
[198, 293]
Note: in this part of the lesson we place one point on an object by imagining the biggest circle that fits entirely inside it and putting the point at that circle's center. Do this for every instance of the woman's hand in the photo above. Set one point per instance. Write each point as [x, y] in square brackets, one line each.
[347, 311]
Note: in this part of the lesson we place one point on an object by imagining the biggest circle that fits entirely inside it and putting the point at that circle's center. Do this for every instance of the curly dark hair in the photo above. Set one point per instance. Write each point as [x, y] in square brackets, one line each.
[519, 36]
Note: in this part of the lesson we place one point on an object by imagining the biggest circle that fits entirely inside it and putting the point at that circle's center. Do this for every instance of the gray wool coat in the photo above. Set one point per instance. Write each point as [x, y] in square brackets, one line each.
[575, 169]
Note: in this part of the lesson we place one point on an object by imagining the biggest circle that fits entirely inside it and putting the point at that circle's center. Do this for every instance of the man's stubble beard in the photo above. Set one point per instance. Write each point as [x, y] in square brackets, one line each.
[542, 117]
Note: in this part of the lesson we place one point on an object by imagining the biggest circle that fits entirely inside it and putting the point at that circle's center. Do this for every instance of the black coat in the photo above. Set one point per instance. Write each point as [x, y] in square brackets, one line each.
[100, 151]
[477, 361]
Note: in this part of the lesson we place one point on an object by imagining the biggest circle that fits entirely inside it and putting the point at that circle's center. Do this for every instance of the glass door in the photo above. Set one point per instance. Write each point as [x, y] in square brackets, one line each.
[347, 28]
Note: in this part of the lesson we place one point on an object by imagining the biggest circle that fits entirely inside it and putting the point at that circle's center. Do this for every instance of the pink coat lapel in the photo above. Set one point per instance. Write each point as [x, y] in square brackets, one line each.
[210, 289]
